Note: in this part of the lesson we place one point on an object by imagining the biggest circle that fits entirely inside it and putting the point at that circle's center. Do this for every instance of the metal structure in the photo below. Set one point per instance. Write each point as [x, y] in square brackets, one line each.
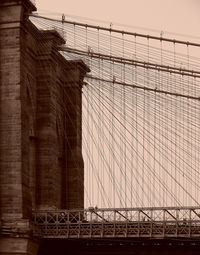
[33, 2]
[140, 137]
[118, 223]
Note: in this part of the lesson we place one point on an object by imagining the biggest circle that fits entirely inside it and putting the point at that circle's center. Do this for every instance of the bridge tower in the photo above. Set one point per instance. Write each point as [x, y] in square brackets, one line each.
[41, 165]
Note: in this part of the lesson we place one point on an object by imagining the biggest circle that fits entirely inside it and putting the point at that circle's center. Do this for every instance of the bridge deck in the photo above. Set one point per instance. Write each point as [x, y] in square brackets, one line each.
[119, 223]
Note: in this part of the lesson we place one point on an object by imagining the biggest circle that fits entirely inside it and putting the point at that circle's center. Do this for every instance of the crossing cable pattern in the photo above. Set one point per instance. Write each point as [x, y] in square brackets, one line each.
[141, 115]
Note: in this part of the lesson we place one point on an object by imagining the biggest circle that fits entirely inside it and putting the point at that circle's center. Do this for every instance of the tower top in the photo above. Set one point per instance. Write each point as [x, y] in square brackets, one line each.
[28, 4]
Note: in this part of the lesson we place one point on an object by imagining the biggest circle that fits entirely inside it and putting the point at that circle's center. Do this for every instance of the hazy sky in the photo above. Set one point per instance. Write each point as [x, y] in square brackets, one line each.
[179, 16]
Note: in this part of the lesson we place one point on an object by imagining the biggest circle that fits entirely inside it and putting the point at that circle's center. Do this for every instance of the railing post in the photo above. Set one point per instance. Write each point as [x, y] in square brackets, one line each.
[151, 232]
[67, 224]
[90, 224]
[79, 224]
[164, 222]
[177, 222]
[114, 230]
[57, 223]
[46, 222]
[139, 223]
[189, 230]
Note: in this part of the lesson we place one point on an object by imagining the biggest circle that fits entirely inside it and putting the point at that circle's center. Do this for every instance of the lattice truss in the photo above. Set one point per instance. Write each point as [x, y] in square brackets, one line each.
[140, 115]
[137, 222]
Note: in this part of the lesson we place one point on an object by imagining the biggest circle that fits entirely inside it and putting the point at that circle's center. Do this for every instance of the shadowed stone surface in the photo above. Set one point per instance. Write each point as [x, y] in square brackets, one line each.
[41, 163]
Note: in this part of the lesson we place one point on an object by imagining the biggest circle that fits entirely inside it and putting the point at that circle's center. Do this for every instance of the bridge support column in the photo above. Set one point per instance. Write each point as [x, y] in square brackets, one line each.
[15, 194]
[41, 163]
[60, 175]
[74, 162]
[18, 246]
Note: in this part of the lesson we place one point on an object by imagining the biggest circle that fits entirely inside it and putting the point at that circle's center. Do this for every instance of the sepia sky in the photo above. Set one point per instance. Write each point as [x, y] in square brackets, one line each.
[176, 16]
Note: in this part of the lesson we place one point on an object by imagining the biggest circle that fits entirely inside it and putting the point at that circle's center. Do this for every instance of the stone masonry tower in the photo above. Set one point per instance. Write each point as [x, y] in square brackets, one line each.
[41, 165]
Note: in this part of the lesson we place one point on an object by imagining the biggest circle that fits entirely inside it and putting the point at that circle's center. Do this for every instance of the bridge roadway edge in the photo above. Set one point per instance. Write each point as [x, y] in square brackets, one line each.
[113, 246]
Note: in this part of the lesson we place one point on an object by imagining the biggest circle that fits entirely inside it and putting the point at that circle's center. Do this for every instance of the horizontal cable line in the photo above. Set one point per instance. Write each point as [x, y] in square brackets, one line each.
[137, 48]
[95, 41]
[153, 54]
[147, 65]
[163, 134]
[165, 122]
[155, 83]
[117, 24]
[159, 101]
[119, 31]
[171, 99]
[129, 71]
[180, 86]
[144, 88]
[164, 119]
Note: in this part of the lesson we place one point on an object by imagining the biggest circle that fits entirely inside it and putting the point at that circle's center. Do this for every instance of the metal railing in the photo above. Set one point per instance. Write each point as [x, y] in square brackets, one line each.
[118, 223]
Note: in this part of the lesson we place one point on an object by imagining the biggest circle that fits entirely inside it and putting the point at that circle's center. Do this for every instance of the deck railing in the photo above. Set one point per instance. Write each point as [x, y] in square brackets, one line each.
[114, 223]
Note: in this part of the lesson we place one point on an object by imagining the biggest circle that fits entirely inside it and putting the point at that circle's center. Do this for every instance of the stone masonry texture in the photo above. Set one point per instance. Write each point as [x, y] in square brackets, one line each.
[41, 165]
